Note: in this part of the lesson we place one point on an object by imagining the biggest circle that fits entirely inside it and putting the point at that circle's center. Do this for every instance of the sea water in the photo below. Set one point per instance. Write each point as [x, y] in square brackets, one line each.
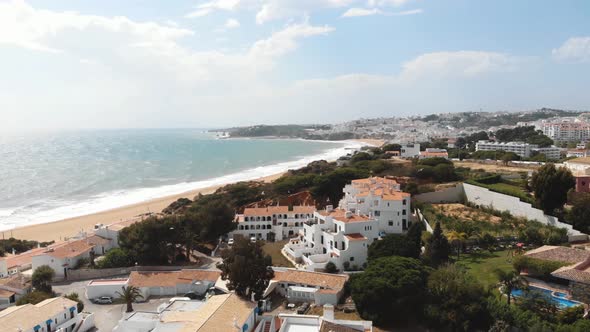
[55, 175]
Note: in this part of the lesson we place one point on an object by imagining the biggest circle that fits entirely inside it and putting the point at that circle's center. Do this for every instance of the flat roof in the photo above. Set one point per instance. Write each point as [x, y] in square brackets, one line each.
[100, 282]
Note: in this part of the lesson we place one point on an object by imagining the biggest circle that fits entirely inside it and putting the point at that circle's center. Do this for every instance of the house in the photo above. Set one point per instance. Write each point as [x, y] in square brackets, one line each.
[12, 264]
[312, 323]
[334, 235]
[434, 153]
[577, 153]
[305, 286]
[522, 149]
[157, 283]
[63, 256]
[12, 288]
[381, 199]
[410, 150]
[273, 223]
[576, 272]
[111, 231]
[226, 312]
[49, 315]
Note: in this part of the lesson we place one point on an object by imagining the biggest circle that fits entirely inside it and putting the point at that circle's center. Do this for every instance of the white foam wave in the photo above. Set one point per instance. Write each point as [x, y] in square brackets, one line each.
[10, 218]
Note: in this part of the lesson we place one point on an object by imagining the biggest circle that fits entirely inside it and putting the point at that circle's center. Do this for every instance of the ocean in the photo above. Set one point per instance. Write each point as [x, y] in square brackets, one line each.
[51, 176]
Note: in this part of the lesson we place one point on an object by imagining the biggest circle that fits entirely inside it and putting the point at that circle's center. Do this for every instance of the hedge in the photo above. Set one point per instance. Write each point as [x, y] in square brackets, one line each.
[536, 267]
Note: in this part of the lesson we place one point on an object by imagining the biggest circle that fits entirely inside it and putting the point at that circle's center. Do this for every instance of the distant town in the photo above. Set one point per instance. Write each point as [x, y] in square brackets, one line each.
[454, 222]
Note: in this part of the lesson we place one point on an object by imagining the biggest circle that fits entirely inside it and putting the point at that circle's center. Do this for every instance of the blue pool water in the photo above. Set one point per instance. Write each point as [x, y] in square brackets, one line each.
[558, 298]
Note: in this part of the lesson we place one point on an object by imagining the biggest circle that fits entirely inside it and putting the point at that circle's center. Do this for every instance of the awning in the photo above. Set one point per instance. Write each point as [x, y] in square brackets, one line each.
[37, 327]
[72, 308]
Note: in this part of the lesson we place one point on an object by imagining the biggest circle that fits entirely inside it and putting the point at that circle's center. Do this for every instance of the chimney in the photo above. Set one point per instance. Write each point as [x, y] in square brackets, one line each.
[328, 312]
[348, 214]
[329, 208]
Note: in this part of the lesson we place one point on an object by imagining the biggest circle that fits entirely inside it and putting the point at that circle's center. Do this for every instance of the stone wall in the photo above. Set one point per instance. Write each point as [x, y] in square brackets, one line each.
[89, 274]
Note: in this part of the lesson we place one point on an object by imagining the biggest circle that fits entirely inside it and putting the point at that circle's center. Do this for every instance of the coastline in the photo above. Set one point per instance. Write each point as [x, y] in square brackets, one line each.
[60, 229]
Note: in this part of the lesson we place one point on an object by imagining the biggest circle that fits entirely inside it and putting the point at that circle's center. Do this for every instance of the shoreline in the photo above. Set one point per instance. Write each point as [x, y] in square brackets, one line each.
[59, 229]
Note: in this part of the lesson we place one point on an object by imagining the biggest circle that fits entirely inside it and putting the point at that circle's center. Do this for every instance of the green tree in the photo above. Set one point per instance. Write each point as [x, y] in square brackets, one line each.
[115, 257]
[75, 297]
[456, 300]
[42, 278]
[128, 295]
[437, 247]
[550, 186]
[579, 215]
[331, 268]
[34, 297]
[390, 285]
[509, 281]
[394, 245]
[247, 268]
[457, 239]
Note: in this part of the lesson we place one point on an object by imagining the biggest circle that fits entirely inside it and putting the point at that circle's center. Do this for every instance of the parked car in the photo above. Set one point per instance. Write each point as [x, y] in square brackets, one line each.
[302, 309]
[253, 239]
[103, 300]
[230, 242]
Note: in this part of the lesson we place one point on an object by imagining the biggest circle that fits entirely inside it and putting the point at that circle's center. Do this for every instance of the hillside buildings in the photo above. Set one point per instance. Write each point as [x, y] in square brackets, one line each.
[410, 150]
[566, 130]
[12, 289]
[272, 223]
[370, 208]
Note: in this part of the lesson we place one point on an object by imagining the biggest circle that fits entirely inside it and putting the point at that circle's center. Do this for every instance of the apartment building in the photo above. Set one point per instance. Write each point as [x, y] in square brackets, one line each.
[381, 199]
[571, 130]
[522, 149]
[273, 223]
[410, 150]
[434, 153]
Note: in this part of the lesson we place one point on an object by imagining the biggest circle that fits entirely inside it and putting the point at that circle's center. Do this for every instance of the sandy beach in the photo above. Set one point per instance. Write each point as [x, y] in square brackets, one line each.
[58, 230]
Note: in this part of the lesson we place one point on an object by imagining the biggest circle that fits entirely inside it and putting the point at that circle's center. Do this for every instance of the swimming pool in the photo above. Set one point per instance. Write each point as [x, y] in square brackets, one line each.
[558, 298]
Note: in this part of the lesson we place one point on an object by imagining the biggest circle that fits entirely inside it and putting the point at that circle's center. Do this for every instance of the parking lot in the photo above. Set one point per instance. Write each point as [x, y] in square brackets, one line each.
[106, 316]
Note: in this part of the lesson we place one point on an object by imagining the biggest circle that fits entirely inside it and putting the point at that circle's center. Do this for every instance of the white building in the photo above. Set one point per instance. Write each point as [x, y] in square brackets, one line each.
[305, 286]
[381, 199]
[55, 314]
[551, 152]
[156, 283]
[273, 223]
[571, 130]
[10, 265]
[310, 323]
[63, 256]
[12, 288]
[410, 150]
[577, 153]
[336, 236]
[219, 313]
[520, 148]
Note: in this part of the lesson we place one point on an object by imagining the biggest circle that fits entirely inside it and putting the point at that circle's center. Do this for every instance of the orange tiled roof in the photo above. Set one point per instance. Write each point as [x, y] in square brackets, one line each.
[356, 237]
[559, 254]
[170, 278]
[340, 215]
[282, 209]
[25, 258]
[68, 249]
[334, 282]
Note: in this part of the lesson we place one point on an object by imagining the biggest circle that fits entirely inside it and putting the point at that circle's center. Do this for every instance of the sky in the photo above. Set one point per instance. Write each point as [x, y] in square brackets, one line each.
[213, 63]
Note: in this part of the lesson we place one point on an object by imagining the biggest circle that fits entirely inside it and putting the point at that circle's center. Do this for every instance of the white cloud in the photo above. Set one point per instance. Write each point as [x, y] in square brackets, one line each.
[232, 23]
[575, 49]
[384, 3]
[356, 12]
[460, 63]
[281, 9]
[211, 6]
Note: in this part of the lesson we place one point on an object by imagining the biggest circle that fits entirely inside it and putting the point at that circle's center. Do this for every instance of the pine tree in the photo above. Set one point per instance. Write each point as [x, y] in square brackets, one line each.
[437, 248]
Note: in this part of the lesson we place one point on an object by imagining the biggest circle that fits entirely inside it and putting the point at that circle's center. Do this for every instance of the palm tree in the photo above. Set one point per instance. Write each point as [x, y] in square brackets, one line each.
[457, 239]
[129, 295]
[509, 281]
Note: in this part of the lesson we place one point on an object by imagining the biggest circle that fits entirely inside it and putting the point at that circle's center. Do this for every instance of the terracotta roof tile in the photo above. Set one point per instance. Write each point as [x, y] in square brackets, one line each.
[170, 278]
[340, 215]
[333, 282]
[559, 254]
[283, 209]
[355, 237]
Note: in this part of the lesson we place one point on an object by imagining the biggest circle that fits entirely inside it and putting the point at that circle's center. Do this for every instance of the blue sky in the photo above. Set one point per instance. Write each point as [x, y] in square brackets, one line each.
[202, 63]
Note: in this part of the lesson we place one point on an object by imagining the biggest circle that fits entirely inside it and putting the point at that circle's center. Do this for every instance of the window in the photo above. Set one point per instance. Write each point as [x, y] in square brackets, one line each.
[352, 259]
[404, 212]
[391, 223]
[404, 202]
[377, 213]
[343, 246]
[322, 239]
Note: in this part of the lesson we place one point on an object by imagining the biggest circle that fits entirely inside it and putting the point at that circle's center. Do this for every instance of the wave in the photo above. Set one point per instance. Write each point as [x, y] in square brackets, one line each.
[58, 210]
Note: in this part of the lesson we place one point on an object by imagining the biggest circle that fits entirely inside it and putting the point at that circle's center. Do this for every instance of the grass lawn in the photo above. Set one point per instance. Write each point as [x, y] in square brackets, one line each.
[482, 265]
[274, 250]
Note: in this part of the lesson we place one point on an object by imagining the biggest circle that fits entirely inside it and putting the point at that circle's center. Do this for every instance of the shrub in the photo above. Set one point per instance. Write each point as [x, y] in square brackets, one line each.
[536, 267]
[331, 268]
[115, 257]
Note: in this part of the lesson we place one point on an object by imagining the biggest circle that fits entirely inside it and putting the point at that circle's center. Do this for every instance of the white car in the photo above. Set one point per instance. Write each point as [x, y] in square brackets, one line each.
[253, 239]
[230, 242]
